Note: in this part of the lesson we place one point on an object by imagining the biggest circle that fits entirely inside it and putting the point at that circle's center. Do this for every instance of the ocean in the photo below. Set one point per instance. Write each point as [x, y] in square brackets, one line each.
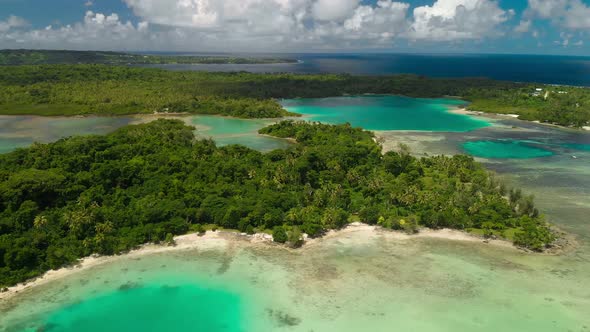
[564, 70]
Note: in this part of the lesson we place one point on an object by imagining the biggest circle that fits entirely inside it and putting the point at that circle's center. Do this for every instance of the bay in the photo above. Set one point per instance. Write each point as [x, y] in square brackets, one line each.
[381, 112]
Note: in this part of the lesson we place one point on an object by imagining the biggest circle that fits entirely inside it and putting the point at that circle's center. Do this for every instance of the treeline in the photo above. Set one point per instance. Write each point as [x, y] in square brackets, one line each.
[45, 57]
[561, 105]
[104, 90]
[96, 89]
[146, 183]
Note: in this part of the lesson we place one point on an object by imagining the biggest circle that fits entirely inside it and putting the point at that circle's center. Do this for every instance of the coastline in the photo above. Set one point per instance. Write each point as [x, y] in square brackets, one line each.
[466, 111]
[221, 239]
[143, 116]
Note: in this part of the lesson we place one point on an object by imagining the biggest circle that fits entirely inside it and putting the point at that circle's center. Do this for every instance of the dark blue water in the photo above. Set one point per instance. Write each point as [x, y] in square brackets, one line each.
[521, 68]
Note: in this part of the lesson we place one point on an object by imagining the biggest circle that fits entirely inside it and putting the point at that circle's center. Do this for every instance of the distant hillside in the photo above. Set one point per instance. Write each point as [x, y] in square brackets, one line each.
[42, 57]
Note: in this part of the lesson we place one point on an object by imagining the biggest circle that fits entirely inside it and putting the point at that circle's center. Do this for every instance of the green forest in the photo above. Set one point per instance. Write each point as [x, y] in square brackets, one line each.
[145, 183]
[47, 57]
[116, 90]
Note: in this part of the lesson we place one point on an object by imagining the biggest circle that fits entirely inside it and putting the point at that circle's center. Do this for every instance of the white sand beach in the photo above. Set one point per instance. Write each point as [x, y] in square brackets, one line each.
[222, 239]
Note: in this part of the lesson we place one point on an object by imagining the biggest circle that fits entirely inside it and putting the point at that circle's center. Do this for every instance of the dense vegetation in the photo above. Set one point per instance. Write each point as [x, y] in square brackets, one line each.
[96, 89]
[145, 183]
[107, 90]
[562, 105]
[44, 57]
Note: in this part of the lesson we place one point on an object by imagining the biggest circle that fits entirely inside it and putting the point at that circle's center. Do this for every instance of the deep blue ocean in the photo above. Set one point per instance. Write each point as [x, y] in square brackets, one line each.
[520, 68]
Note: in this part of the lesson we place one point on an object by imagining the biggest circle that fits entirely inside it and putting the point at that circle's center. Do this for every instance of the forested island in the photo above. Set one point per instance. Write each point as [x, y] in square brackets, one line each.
[145, 183]
[117, 90]
[45, 57]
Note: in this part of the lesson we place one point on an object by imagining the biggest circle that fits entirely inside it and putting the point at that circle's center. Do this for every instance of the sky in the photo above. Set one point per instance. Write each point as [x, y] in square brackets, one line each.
[265, 26]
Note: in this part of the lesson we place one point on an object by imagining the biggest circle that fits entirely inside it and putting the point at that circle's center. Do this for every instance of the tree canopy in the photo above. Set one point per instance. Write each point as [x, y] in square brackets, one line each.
[44, 57]
[110, 90]
[143, 183]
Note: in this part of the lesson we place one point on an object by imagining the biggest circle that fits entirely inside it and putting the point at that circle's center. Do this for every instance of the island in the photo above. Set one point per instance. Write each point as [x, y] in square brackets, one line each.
[39, 57]
[145, 183]
[119, 90]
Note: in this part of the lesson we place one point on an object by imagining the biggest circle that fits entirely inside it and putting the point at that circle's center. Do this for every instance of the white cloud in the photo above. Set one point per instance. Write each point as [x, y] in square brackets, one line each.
[96, 31]
[188, 13]
[569, 14]
[215, 14]
[377, 25]
[547, 8]
[13, 22]
[331, 10]
[386, 17]
[267, 25]
[577, 15]
[458, 19]
[565, 39]
[523, 26]
[284, 23]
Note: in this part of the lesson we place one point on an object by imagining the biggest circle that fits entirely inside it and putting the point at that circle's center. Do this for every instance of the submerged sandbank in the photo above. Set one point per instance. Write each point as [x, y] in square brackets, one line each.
[222, 239]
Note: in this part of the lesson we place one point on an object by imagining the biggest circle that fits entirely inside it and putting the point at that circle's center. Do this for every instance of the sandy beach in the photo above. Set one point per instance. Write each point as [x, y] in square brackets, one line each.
[465, 111]
[222, 239]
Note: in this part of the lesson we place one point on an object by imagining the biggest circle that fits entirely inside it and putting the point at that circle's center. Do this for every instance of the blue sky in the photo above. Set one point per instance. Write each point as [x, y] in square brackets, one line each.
[478, 26]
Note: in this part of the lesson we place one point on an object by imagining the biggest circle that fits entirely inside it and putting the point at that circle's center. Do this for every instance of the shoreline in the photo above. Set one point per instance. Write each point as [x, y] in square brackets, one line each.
[463, 110]
[220, 239]
[490, 115]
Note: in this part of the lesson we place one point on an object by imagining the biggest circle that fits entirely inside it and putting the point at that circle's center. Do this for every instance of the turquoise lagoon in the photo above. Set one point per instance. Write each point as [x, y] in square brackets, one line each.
[577, 146]
[377, 112]
[22, 131]
[505, 149]
[152, 307]
[355, 281]
[226, 131]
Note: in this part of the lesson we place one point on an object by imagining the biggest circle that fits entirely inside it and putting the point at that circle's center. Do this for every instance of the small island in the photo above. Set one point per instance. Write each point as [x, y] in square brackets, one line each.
[146, 183]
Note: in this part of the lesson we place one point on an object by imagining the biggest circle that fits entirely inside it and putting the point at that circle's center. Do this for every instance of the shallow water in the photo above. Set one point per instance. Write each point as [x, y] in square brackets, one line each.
[505, 149]
[227, 131]
[379, 112]
[354, 281]
[22, 131]
[155, 307]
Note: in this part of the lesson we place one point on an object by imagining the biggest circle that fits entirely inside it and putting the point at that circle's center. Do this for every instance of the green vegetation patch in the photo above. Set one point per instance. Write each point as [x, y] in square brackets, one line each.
[111, 90]
[145, 183]
[44, 57]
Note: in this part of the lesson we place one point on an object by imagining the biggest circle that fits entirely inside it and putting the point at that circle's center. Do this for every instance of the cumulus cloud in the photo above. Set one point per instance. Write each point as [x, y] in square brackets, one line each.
[330, 10]
[96, 31]
[188, 13]
[286, 23]
[523, 26]
[13, 22]
[569, 14]
[369, 24]
[458, 19]
[269, 25]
